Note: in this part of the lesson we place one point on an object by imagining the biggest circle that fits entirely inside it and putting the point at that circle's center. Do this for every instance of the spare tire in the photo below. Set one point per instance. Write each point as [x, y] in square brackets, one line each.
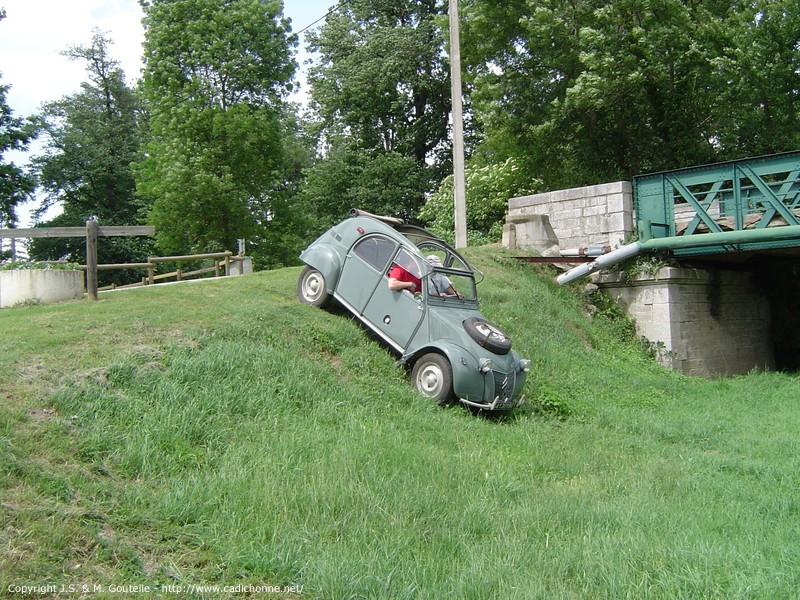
[487, 335]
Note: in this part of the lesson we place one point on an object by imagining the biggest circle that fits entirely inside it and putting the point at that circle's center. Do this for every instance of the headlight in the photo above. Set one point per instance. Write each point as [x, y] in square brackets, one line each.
[485, 365]
[525, 365]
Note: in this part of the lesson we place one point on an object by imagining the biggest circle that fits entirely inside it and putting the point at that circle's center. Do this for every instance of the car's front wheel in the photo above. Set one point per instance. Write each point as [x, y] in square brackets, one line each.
[312, 289]
[433, 378]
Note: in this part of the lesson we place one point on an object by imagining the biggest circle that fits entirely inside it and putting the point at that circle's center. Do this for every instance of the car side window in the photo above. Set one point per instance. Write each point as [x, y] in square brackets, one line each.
[375, 251]
[407, 262]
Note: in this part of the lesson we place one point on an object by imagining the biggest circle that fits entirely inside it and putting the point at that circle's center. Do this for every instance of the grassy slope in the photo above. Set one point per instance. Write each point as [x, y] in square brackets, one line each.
[223, 433]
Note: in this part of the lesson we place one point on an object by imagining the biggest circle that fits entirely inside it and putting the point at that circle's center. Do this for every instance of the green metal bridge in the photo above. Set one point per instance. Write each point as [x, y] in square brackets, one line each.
[731, 209]
[758, 197]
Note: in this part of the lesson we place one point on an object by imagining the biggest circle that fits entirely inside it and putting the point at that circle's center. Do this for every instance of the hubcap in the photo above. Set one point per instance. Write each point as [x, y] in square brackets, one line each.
[312, 287]
[429, 380]
[490, 331]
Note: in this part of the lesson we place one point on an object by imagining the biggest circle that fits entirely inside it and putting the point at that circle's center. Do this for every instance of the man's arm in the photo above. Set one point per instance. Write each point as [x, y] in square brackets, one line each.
[397, 286]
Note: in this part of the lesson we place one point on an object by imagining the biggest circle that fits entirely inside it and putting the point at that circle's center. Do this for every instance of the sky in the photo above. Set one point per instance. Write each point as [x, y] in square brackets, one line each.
[35, 33]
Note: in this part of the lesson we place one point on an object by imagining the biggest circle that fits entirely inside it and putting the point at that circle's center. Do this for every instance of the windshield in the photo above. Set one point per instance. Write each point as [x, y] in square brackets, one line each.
[444, 256]
[451, 286]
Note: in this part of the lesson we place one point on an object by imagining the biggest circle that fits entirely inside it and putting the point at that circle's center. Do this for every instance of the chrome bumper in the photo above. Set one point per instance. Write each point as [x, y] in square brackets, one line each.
[496, 404]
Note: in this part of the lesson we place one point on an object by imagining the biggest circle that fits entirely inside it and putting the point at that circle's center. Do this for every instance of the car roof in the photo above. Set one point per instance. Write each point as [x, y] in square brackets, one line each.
[413, 233]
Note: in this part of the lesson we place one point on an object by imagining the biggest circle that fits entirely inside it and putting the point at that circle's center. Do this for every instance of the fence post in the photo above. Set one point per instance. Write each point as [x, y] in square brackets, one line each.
[91, 260]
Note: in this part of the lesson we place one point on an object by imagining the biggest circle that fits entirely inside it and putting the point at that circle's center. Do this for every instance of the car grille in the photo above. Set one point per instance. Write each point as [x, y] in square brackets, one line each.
[504, 385]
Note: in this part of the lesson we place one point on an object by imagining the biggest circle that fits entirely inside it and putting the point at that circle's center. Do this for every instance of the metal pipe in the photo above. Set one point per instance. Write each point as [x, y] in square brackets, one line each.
[592, 251]
[601, 262]
[784, 232]
[698, 240]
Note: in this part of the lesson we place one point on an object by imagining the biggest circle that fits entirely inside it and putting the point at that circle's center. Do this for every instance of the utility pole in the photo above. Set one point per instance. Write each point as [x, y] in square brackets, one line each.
[459, 184]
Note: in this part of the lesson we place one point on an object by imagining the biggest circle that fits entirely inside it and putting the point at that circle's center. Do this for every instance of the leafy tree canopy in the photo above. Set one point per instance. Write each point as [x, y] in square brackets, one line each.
[92, 139]
[586, 91]
[216, 73]
[380, 97]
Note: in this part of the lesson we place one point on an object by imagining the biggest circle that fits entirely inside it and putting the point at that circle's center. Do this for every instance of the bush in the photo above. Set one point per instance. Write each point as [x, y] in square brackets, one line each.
[489, 188]
[20, 265]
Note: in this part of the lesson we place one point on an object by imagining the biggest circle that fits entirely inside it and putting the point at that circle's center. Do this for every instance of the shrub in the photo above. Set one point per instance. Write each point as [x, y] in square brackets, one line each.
[489, 188]
[38, 265]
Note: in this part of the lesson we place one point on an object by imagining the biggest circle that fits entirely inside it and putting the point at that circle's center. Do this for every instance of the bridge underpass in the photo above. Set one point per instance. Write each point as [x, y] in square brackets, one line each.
[733, 229]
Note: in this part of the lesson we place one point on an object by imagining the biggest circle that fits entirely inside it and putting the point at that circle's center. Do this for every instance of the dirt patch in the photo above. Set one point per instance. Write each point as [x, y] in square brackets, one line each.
[42, 415]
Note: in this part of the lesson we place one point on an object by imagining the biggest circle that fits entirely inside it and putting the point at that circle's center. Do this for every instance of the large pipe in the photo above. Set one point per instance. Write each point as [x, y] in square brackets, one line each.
[593, 251]
[742, 236]
[788, 232]
[600, 262]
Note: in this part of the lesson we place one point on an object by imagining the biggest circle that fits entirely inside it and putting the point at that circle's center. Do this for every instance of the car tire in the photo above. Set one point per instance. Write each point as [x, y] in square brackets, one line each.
[312, 288]
[433, 378]
[487, 335]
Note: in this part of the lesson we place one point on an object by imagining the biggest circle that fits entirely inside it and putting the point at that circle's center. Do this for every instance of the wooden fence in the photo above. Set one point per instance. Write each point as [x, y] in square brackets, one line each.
[91, 232]
[222, 266]
[222, 260]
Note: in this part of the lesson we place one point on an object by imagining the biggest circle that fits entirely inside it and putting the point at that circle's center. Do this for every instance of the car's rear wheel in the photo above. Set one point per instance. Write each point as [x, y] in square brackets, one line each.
[312, 289]
[433, 378]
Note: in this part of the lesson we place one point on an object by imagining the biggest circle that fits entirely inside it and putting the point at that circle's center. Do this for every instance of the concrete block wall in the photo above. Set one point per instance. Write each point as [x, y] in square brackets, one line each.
[707, 323]
[39, 285]
[596, 215]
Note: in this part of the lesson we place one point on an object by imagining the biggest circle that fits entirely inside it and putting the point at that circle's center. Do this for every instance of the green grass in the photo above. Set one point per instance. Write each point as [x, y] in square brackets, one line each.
[223, 433]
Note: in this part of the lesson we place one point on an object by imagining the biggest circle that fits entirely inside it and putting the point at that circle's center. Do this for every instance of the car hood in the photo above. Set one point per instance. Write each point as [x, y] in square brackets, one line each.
[447, 324]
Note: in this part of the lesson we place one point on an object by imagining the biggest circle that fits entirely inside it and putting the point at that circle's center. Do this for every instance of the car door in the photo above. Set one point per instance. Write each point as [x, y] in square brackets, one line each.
[364, 266]
[396, 315]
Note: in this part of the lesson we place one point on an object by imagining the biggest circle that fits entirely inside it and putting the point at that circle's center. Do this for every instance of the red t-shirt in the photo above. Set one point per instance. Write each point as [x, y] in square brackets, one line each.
[399, 273]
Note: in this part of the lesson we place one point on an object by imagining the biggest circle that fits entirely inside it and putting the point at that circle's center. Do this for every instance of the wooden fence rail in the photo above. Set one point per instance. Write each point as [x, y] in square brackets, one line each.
[222, 260]
[222, 265]
[91, 232]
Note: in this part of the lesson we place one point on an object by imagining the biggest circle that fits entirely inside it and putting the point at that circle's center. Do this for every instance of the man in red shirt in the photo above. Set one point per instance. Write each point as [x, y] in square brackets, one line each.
[401, 279]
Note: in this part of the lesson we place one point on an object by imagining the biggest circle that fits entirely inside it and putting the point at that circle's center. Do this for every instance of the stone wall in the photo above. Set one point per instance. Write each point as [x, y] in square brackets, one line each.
[597, 215]
[705, 323]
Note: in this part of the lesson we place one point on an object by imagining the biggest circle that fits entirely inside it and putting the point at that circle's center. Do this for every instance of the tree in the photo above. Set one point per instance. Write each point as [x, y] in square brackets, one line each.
[640, 102]
[216, 73]
[381, 98]
[16, 186]
[92, 141]
[583, 91]
[757, 80]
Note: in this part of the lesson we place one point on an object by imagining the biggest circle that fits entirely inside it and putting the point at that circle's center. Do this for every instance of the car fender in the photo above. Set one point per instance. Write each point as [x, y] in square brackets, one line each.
[325, 259]
[468, 381]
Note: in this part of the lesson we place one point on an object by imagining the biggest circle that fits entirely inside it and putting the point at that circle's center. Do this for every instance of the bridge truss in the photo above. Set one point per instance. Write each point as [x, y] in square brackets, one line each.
[744, 195]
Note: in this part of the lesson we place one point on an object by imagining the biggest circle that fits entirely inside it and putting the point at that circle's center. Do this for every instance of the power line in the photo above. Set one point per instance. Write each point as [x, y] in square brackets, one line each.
[322, 18]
